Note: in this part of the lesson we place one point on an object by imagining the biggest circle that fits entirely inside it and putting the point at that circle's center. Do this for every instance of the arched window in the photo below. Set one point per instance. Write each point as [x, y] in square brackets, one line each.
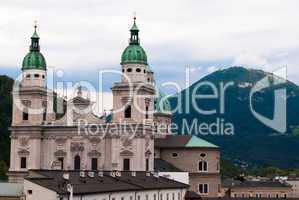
[129, 70]
[77, 162]
[203, 166]
[138, 70]
[128, 111]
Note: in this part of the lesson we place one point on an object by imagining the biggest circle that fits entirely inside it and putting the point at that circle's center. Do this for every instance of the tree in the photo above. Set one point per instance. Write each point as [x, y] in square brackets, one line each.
[3, 170]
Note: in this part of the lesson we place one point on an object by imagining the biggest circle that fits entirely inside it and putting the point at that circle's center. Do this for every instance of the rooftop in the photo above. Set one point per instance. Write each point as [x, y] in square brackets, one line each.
[102, 182]
[264, 184]
[183, 141]
[164, 166]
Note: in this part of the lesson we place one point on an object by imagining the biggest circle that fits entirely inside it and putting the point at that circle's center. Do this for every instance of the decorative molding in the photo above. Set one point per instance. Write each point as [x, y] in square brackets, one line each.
[23, 152]
[77, 147]
[126, 100]
[26, 103]
[94, 153]
[60, 140]
[56, 165]
[60, 153]
[44, 104]
[148, 153]
[24, 141]
[94, 140]
[126, 141]
[126, 153]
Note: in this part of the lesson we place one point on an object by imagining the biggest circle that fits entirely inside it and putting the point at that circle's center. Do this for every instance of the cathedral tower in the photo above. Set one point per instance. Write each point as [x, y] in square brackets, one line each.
[33, 103]
[133, 96]
[32, 110]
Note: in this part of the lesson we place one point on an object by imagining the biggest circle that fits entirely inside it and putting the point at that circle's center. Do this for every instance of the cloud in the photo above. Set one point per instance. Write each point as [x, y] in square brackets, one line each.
[250, 60]
[87, 35]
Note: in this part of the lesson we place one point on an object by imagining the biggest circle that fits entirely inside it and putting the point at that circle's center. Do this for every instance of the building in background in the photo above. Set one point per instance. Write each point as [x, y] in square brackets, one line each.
[259, 189]
[294, 182]
[194, 155]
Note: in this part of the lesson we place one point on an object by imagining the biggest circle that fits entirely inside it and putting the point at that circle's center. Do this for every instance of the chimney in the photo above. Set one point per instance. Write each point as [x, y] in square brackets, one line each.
[118, 173]
[100, 174]
[112, 174]
[66, 176]
[82, 174]
[91, 174]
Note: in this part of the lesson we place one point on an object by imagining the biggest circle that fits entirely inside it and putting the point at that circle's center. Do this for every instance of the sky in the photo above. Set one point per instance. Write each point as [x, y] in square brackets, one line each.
[80, 38]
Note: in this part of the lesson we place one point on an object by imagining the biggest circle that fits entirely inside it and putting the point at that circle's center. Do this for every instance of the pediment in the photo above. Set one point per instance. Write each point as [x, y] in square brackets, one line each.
[60, 153]
[148, 153]
[126, 153]
[23, 152]
[94, 153]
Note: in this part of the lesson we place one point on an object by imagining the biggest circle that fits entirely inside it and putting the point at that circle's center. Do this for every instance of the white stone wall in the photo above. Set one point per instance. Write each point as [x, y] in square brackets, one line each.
[182, 177]
[38, 192]
[29, 78]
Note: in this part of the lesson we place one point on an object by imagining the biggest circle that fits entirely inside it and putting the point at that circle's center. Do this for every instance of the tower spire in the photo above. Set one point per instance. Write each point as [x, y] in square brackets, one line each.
[134, 39]
[35, 39]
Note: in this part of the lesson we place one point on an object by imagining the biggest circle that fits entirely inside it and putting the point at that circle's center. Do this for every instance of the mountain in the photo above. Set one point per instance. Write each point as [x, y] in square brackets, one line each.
[242, 137]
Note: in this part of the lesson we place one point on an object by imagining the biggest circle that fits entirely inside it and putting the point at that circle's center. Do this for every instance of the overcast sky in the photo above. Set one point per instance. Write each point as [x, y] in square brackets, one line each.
[82, 37]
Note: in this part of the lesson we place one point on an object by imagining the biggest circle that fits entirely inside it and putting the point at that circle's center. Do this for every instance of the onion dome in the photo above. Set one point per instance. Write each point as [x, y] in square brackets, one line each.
[134, 53]
[34, 59]
[162, 104]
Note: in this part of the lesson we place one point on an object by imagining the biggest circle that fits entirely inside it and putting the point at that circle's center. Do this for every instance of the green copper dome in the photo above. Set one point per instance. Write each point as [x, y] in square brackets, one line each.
[162, 104]
[134, 53]
[34, 59]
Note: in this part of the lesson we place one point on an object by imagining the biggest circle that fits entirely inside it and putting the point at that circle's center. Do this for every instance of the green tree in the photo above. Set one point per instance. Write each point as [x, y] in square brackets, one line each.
[3, 170]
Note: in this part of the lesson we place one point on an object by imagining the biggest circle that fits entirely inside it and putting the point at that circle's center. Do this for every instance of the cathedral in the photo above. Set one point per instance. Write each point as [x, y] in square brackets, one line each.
[40, 140]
